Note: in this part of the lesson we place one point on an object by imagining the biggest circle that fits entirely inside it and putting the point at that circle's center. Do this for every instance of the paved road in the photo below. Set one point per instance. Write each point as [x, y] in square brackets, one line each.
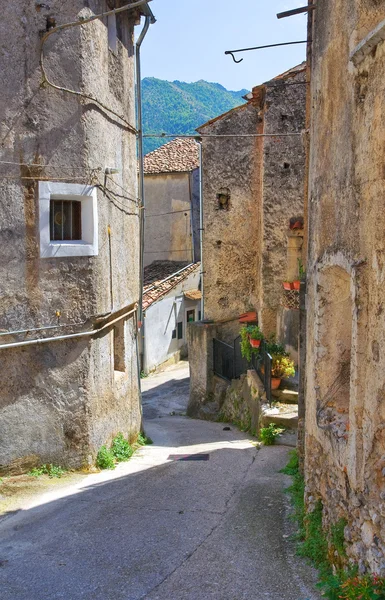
[161, 529]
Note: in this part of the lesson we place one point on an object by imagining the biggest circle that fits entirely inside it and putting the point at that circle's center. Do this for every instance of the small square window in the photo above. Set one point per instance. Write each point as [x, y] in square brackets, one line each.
[68, 220]
[65, 220]
[180, 331]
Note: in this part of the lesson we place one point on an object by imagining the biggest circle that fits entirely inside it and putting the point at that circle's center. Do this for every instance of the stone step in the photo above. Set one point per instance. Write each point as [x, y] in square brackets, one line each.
[285, 395]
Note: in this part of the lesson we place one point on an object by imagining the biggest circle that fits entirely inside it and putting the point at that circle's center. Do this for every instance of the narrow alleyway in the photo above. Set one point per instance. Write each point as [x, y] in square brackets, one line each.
[163, 529]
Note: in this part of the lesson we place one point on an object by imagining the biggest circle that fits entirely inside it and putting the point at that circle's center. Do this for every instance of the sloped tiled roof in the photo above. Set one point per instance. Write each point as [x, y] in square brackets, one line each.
[162, 276]
[178, 156]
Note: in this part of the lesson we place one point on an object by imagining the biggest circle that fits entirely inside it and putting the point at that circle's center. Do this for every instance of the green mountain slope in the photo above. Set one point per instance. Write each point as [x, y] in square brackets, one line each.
[178, 107]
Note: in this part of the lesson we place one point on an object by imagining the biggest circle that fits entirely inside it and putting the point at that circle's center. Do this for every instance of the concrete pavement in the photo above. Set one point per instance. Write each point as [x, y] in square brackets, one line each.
[160, 529]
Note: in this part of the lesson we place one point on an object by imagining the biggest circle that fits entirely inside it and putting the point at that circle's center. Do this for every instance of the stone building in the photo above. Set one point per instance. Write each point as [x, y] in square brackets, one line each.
[252, 187]
[345, 393]
[69, 231]
[171, 181]
[253, 162]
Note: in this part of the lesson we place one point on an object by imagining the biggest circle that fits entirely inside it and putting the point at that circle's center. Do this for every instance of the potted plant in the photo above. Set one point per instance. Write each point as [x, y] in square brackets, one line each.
[287, 285]
[282, 366]
[255, 336]
[301, 272]
[247, 350]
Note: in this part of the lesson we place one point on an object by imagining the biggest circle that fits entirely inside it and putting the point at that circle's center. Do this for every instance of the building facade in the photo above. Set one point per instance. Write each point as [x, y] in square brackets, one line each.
[171, 181]
[252, 188]
[70, 233]
[253, 163]
[171, 301]
[345, 398]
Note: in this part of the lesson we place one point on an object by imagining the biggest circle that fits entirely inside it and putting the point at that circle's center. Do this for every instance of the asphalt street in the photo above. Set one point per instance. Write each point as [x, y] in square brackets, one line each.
[199, 515]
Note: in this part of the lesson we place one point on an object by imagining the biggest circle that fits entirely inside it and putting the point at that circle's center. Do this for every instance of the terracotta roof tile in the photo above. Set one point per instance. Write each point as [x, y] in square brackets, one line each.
[162, 276]
[178, 156]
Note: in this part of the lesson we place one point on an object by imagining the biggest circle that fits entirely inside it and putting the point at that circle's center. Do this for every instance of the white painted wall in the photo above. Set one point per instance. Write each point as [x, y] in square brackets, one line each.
[162, 317]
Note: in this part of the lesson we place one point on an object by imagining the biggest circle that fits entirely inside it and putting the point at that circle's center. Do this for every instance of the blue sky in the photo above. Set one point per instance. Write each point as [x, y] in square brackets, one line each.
[189, 39]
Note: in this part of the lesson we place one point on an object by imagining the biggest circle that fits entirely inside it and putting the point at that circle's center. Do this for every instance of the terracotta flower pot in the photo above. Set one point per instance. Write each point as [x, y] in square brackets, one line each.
[254, 343]
[296, 284]
[286, 285]
[275, 383]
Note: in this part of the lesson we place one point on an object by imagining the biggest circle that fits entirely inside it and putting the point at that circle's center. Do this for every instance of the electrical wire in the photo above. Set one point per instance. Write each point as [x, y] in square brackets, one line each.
[223, 135]
[173, 212]
[20, 164]
[45, 37]
[167, 251]
[123, 189]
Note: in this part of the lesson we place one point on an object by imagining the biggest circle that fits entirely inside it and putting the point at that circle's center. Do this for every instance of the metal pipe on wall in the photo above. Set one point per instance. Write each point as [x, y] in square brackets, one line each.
[201, 228]
[69, 336]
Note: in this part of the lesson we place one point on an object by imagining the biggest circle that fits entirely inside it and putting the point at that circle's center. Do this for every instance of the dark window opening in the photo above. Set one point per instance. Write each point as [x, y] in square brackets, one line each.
[286, 165]
[199, 316]
[65, 220]
[180, 331]
[223, 199]
[190, 316]
[174, 334]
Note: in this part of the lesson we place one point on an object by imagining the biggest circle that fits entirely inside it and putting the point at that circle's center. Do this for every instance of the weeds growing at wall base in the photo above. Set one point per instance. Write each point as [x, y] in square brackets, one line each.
[120, 451]
[317, 545]
[50, 470]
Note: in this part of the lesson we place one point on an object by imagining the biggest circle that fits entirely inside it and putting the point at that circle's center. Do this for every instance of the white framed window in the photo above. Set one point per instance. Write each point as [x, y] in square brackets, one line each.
[68, 220]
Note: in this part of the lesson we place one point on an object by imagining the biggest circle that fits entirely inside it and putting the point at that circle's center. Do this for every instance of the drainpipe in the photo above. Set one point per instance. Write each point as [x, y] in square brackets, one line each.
[149, 19]
[201, 227]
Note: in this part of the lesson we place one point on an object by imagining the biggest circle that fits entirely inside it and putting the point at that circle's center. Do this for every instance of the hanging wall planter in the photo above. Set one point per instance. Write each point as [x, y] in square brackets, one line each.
[296, 285]
[287, 285]
[254, 343]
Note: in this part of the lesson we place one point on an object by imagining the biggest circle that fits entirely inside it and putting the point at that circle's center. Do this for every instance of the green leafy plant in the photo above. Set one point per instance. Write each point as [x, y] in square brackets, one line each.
[254, 332]
[273, 347]
[268, 434]
[301, 269]
[143, 440]
[121, 449]
[50, 470]
[292, 467]
[282, 366]
[315, 544]
[246, 332]
[105, 459]
[143, 375]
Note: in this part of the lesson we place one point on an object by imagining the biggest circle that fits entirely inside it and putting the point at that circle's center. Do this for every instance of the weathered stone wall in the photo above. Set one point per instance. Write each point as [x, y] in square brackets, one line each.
[168, 237]
[242, 403]
[283, 185]
[60, 402]
[245, 244]
[345, 395]
[232, 235]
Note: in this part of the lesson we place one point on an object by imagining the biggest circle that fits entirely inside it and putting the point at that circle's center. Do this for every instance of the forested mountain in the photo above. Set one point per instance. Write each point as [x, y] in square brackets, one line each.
[178, 107]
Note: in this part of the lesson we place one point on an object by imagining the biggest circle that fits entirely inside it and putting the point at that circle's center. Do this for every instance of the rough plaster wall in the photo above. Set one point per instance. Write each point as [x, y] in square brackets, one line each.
[168, 237]
[195, 203]
[282, 188]
[346, 229]
[41, 125]
[231, 237]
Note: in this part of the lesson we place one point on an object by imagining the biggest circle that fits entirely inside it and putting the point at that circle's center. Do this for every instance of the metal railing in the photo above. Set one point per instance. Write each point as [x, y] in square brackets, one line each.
[229, 363]
[262, 364]
[223, 360]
